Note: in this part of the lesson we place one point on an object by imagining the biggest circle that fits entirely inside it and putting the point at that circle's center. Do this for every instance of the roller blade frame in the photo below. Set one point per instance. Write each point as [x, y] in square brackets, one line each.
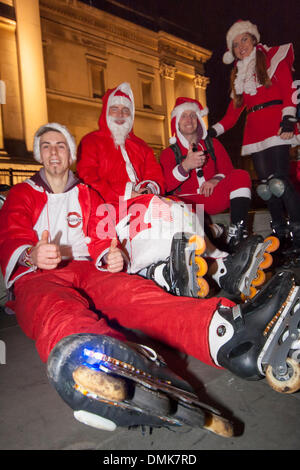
[184, 266]
[283, 342]
[256, 257]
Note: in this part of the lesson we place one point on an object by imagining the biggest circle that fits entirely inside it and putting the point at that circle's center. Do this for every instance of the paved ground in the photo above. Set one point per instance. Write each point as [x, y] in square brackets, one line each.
[32, 416]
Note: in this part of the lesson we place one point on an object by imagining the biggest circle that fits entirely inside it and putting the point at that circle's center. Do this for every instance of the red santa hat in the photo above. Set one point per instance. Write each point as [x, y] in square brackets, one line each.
[239, 27]
[122, 94]
[53, 126]
[186, 104]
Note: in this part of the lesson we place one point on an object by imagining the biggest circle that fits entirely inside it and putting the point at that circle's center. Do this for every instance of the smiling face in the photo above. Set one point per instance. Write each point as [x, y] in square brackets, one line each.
[243, 45]
[119, 113]
[55, 153]
[188, 123]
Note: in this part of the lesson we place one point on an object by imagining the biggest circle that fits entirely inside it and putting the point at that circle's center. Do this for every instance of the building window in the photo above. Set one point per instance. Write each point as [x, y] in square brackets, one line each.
[96, 77]
[147, 94]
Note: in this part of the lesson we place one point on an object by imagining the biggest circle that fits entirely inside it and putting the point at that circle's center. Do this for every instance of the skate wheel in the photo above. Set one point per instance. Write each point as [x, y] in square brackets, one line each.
[218, 425]
[203, 287]
[99, 383]
[200, 244]
[259, 279]
[202, 266]
[290, 383]
[274, 245]
[267, 261]
[253, 292]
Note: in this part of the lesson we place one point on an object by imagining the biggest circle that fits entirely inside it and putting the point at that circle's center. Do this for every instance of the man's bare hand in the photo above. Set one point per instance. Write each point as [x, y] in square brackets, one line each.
[114, 258]
[45, 255]
[193, 159]
[208, 187]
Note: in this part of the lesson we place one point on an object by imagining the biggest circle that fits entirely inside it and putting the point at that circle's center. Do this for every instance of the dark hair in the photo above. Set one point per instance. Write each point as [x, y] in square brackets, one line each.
[261, 73]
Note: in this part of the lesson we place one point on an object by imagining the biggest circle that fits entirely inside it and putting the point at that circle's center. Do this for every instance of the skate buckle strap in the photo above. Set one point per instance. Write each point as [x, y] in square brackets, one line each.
[237, 316]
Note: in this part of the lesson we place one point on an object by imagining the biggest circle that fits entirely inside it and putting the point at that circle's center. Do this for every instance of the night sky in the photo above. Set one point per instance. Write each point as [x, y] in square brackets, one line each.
[206, 23]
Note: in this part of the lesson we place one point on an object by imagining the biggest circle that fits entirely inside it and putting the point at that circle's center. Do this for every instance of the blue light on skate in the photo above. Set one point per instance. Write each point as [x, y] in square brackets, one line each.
[99, 360]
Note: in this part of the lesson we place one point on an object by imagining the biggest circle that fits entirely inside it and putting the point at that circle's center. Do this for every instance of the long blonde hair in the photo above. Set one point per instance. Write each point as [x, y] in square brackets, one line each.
[261, 74]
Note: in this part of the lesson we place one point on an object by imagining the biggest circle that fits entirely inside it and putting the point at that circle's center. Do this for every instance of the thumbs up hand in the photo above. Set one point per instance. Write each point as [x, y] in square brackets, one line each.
[114, 258]
[45, 255]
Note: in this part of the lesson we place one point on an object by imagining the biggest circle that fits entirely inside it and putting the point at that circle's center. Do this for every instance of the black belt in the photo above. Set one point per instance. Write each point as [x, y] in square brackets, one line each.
[257, 107]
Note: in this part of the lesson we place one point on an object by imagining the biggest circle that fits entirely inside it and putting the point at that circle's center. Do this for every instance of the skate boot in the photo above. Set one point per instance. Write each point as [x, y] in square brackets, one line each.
[242, 271]
[262, 337]
[109, 383]
[235, 235]
[282, 232]
[182, 273]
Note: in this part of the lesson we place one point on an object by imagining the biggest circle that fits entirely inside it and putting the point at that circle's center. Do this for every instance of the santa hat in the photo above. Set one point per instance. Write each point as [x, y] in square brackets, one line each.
[186, 104]
[53, 126]
[122, 94]
[240, 27]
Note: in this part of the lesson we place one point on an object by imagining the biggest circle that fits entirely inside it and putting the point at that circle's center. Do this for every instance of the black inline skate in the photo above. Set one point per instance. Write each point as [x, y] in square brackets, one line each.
[109, 383]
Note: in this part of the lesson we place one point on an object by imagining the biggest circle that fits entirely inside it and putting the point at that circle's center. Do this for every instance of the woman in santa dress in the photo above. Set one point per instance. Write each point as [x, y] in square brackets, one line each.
[261, 82]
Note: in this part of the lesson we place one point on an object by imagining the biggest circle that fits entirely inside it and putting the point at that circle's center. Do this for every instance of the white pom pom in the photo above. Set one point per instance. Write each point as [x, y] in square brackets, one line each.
[228, 58]
[172, 140]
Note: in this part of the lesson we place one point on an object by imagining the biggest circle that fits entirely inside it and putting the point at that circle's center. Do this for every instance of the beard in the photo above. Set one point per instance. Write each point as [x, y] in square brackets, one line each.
[119, 131]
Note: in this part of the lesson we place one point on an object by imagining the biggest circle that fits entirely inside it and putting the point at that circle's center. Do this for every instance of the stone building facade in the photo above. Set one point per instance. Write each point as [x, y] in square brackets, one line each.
[57, 58]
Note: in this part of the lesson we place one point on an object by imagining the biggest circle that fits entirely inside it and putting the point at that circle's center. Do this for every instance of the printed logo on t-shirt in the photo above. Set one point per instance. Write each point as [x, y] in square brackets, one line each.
[74, 219]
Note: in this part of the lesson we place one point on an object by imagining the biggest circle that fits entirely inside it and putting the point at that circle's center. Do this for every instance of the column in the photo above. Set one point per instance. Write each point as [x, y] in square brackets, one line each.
[200, 84]
[31, 63]
[167, 73]
[2, 101]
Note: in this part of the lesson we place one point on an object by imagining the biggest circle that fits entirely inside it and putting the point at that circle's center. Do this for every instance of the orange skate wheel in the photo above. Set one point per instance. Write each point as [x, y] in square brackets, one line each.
[267, 261]
[253, 292]
[202, 266]
[259, 279]
[200, 244]
[203, 287]
[274, 245]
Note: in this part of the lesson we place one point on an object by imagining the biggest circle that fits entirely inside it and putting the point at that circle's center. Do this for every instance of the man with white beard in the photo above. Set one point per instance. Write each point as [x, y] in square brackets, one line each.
[113, 160]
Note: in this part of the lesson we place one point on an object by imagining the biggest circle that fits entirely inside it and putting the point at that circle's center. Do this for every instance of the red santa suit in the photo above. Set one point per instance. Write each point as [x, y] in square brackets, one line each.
[116, 171]
[262, 125]
[233, 182]
[52, 304]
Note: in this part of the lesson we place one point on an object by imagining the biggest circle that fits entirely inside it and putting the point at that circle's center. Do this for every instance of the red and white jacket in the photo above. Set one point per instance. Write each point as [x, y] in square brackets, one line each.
[190, 184]
[69, 217]
[262, 126]
[106, 168]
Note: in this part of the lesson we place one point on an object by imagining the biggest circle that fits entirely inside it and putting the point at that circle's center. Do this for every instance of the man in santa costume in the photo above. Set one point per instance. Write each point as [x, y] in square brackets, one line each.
[200, 171]
[262, 83]
[50, 255]
[113, 160]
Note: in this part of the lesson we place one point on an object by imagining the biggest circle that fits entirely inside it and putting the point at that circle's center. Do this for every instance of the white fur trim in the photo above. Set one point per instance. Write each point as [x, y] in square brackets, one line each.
[241, 192]
[289, 111]
[186, 106]
[172, 140]
[228, 58]
[178, 175]
[58, 128]
[219, 128]
[264, 144]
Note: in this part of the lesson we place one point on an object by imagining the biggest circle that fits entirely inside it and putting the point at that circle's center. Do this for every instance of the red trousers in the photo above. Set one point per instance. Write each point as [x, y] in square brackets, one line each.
[53, 304]
[219, 201]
